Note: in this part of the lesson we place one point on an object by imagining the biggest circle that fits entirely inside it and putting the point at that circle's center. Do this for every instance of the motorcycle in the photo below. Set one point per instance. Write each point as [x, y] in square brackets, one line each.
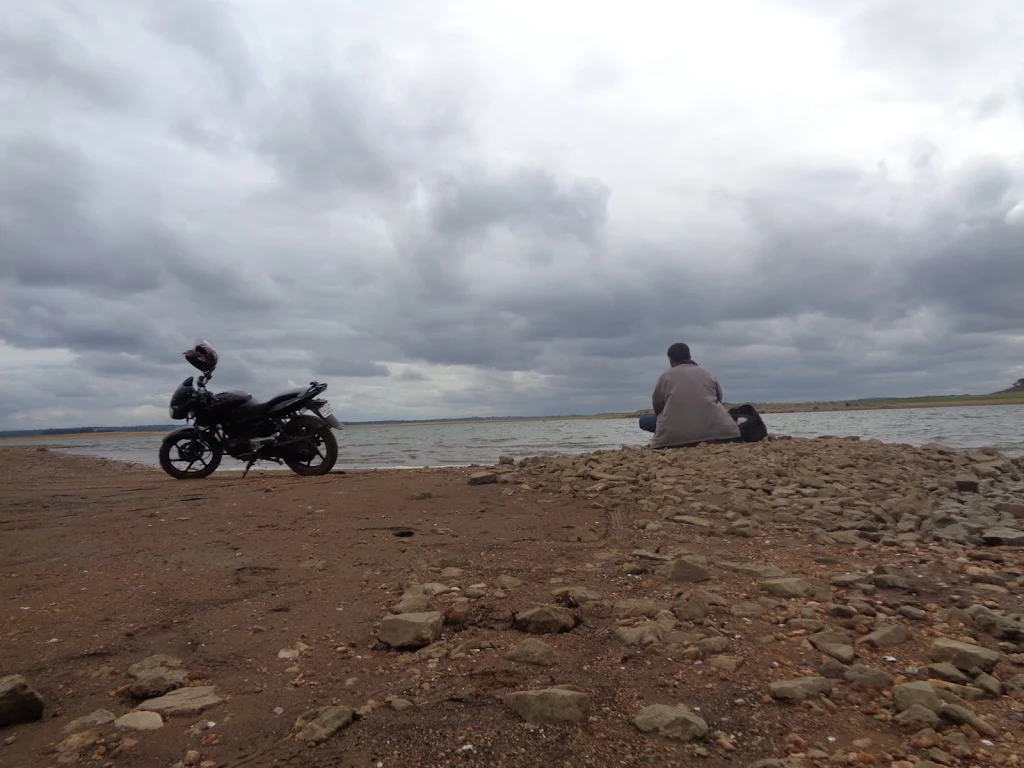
[293, 428]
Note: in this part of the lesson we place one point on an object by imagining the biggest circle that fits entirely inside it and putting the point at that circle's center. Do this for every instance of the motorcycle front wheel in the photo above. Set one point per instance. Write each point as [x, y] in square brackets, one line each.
[189, 456]
[317, 453]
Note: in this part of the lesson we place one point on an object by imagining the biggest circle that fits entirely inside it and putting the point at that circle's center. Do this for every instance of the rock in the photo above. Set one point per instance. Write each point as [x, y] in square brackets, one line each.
[533, 651]
[483, 478]
[648, 633]
[861, 676]
[799, 689]
[687, 572]
[141, 721]
[887, 636]
[1003, 537]
[155, 676]
[917, 718]
[636, 608]
[747, 610]
[412, 603]
[549, 705]
[963, 716]
[921, 694]
[545, 620]
[98, 717]
[792, 588]
[71, 747]
[849, 579]
[989, 684]
[963, 656]
[410, 630]
[949, 673]
[156, 661]
[507, 582]
[18, 702]
[836, 644]
[725, 663]
[183, 702]
[400, 705]
[318, 725]
[506, 460]
[671, 722]
[833, 670]
[576, 596]
[967, 483]
[696, 608]
[192, 758]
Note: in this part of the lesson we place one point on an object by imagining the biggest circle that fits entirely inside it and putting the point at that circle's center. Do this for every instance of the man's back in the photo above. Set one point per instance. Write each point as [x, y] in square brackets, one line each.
[687, 399]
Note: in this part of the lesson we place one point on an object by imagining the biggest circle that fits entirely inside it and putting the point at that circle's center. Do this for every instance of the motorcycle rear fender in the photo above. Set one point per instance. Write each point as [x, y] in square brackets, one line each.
[189, 431]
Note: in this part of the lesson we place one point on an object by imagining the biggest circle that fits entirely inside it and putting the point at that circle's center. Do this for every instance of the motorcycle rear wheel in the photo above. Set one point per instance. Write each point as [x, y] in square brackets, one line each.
[190, 449]
[324, 442]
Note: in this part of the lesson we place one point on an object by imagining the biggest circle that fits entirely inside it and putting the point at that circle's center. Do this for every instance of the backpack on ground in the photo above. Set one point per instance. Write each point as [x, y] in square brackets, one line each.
[752, 427]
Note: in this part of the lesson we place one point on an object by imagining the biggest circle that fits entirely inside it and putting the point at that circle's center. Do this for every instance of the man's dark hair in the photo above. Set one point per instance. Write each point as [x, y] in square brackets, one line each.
[679, 352]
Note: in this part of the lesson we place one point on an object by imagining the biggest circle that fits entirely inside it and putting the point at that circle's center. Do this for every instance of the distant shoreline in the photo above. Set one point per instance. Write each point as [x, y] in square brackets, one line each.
[951, 401]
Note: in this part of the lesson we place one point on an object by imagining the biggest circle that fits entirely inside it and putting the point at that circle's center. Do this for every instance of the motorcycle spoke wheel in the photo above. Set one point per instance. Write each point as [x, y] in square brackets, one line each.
[318, 452]
[189, 458]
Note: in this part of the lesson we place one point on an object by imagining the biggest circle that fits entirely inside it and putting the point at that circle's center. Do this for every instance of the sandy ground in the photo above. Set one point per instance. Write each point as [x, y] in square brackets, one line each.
[104, 565]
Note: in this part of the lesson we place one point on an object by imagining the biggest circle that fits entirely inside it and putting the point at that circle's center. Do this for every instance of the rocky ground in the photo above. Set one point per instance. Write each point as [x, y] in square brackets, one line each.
[794, 603]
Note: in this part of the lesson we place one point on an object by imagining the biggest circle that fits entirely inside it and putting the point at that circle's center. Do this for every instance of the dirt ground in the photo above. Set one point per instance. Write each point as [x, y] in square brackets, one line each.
[104, 565]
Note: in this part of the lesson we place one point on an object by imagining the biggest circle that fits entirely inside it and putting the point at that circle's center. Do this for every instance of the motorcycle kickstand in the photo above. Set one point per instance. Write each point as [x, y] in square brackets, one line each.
[247, 468]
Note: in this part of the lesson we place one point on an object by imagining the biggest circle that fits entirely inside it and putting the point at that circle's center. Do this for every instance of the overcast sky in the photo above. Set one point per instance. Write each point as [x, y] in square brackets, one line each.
[456, 207]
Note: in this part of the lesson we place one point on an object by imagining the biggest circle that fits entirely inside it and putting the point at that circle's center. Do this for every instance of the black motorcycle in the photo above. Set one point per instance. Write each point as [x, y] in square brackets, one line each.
[293, 428]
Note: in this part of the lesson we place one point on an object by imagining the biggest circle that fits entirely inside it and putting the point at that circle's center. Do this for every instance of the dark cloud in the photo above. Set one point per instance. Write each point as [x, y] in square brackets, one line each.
[438, 225]
[41, 52]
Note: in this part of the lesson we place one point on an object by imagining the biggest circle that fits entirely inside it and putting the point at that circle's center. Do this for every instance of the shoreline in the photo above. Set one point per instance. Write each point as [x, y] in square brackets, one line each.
[807, 407]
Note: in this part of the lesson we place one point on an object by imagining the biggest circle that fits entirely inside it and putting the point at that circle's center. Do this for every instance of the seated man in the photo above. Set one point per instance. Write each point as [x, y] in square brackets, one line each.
[688, 405]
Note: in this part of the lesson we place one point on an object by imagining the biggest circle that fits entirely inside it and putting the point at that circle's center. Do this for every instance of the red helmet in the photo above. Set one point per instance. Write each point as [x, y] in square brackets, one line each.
[202, 356]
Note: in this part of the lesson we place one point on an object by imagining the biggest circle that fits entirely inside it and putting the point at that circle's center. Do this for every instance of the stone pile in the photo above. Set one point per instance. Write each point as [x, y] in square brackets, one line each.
[851, 490]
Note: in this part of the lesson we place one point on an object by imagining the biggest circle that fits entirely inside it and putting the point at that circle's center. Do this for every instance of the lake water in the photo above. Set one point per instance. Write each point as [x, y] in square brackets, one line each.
[435, 445]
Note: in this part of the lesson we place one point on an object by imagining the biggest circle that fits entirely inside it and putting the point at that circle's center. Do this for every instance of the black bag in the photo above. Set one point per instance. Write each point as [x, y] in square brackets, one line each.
[752, 428]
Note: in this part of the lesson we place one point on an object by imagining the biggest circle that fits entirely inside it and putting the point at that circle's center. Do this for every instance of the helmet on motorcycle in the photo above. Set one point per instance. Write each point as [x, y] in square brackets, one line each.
[202, 356]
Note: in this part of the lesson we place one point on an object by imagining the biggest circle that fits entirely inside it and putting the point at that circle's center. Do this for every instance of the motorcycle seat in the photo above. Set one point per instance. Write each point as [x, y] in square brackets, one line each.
[254, 407]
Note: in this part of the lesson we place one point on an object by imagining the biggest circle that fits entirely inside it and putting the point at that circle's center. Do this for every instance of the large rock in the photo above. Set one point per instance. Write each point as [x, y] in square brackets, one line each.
[155, 676]
[799, 689]
[793, 587]
[681, 570]
[483, 478]
[861, 676]
[920, 694]
[140, 721]
[533, 651]
[672, 722]
[410, 630]
[887, 636]
[549, 705]
[917, 718]
[545, 620]
[98, 717]
[836, 644]
[963, 656]
[18, 702]
[648, 633]
[1003, 537]
[183, 702]
[965, 716]
[318, 725]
